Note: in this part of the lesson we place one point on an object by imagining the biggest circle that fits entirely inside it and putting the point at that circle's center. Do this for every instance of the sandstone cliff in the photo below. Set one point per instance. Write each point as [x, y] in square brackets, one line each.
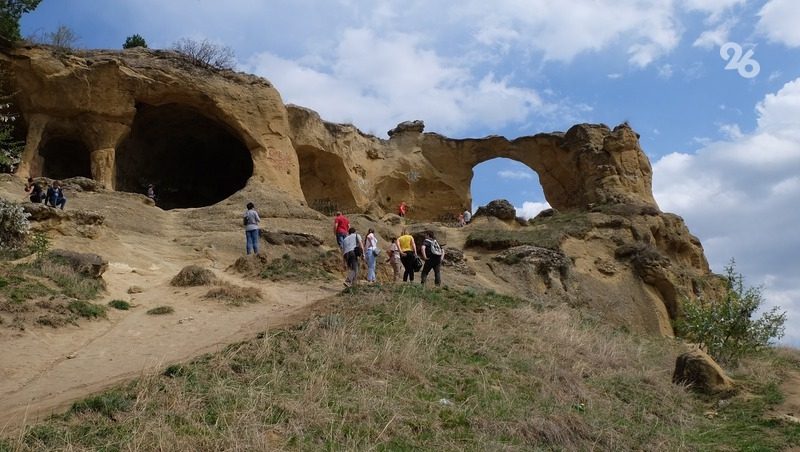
[212, 139]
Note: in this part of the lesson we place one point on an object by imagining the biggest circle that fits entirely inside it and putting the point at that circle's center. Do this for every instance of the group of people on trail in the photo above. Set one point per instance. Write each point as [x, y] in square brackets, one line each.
[53, 197]
[403, 254]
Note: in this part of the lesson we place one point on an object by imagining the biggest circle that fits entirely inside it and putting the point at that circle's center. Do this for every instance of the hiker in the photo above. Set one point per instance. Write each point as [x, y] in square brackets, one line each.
[432, 254]
[35, 191]
[340, 227]
[402, 208]
[371, 254]
[251, 221]
[151, 192]
[394, 259]
[409, 258]
[55, 196]
[352, 249]
[467, 216]
[461, 222]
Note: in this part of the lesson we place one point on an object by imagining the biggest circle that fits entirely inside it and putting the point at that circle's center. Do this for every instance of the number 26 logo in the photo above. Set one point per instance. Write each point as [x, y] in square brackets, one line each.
[745, 65]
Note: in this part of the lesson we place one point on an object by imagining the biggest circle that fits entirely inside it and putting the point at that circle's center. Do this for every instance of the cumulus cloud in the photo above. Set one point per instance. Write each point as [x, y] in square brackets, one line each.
[517, 175]
[778, 21]
[378, 81]
[741, 195]
[716, 36]
[530, 209]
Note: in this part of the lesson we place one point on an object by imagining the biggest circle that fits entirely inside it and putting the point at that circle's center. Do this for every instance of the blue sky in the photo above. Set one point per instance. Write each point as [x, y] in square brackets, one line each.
[725, 147]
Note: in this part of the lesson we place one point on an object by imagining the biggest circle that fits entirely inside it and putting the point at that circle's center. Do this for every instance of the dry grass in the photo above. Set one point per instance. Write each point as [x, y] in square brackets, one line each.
[193, 275]
[408, 369]
[234, 295]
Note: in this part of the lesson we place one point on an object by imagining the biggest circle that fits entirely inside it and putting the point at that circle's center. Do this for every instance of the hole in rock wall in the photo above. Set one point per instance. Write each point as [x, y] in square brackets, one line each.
[325, 181]
[503, 178]
[64, 158]
[192, 160]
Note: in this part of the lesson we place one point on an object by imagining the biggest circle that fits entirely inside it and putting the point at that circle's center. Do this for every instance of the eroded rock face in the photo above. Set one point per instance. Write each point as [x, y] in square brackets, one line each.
[499, 208]
[101, 115]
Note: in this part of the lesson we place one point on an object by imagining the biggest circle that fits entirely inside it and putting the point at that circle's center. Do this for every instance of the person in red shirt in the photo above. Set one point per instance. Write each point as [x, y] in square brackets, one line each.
[340, 227]
[402, 208]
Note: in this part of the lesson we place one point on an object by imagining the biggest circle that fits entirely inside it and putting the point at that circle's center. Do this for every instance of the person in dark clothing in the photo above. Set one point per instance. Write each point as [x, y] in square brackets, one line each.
[35, 191]
[55, 196]
[432, 254]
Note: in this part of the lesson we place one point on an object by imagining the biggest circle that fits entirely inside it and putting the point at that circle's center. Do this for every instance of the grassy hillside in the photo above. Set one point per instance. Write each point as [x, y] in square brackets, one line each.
[401, 368]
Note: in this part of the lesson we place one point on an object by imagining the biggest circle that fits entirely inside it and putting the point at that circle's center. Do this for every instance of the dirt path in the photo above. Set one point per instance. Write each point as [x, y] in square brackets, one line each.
[43, 370]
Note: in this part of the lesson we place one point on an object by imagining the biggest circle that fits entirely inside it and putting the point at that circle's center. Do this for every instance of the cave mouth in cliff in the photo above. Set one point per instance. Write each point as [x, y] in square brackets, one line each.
[325, 181]
[505, 178]
[64, 158]
[191, 159]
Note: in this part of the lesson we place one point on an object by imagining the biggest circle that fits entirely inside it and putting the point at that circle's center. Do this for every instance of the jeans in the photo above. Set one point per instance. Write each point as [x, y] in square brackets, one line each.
[370, 264]
[433, 263]
[408, 260]
[252, 241]
[340, 238]
[352, 268]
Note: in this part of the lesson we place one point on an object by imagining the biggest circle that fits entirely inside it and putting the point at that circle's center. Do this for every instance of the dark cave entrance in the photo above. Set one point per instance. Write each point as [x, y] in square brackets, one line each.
[192, 160]
[64, 158]
[325, 181]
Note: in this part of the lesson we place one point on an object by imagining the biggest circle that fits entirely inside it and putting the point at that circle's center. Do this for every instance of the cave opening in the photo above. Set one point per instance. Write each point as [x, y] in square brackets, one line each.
[192, 160]
[65, 157]
[324, 181]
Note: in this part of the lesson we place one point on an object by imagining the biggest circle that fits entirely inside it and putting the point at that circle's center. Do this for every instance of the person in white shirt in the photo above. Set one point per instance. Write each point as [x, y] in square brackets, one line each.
[371, 254]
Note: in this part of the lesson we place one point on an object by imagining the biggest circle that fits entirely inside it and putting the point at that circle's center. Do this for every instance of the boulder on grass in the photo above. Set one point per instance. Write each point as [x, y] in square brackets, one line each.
[88, 264]
[499, 208]
[701, 373]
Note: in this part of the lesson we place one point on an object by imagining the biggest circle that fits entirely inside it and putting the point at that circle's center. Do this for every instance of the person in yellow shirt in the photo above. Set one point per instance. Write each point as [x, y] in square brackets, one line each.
[408, 255]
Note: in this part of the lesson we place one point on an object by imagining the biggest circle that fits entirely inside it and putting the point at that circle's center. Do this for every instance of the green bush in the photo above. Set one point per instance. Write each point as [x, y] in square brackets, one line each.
[14, 225]
[725, 328]
[134, 40]
[40, 245]
[160, 310]
[122, 305]
[86, 309]
[10, 13]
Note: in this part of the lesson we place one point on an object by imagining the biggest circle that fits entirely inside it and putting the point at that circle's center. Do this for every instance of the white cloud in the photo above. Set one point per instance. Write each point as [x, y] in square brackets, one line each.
[778, 21]
[715, 37]
[665, 71]
[740, 196]
[518, 175]
[530, 209]
[614, 76]
[715, 8]
[378, 81]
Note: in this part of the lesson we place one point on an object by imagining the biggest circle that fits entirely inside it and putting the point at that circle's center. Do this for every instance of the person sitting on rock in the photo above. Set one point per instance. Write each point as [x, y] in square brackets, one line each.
[55, 196]
[35, 191]
[151, 192]
[402, 209]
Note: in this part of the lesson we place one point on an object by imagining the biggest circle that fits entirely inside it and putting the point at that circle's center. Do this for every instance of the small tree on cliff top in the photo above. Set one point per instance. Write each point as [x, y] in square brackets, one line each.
[134, 40]
[725, 328]
[205, 53]
[10, 13]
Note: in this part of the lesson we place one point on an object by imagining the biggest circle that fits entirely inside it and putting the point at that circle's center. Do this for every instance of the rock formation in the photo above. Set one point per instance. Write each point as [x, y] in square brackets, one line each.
[125, 119]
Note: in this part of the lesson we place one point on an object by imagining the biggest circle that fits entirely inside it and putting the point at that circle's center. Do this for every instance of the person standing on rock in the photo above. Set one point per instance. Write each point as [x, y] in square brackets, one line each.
[402, 209]
[251, 222]
[352, 249]
[371, 254]
[340, 227]
[151, 192]
[432, 254]
[409, 250]
[467, 216]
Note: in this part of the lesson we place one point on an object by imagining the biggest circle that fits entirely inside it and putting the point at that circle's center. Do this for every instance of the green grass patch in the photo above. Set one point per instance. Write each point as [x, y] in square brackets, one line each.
[86, 309]
[290, 268]
[404, 368]
[122, 305]
[547, 232]
[161, 310]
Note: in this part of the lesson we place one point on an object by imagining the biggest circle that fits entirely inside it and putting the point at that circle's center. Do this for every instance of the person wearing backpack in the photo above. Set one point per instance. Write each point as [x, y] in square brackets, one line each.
[432, 254]
[352, 249]
[251, 221]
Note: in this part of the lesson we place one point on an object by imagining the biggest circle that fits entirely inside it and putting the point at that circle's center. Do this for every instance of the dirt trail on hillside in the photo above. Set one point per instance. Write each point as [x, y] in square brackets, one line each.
[43, 370]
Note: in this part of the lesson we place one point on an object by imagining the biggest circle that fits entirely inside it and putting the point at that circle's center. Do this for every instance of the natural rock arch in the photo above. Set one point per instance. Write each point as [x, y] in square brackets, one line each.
[192, 160]
[324, 180]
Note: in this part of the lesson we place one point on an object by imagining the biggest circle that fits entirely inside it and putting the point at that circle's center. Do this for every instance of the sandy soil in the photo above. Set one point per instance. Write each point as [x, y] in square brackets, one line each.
[43, 370]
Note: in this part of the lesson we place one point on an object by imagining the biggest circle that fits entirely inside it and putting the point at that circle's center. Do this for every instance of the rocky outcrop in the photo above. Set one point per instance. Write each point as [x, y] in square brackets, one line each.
[499, 208]
[701, 373]
[130, 118]
[87, 264]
